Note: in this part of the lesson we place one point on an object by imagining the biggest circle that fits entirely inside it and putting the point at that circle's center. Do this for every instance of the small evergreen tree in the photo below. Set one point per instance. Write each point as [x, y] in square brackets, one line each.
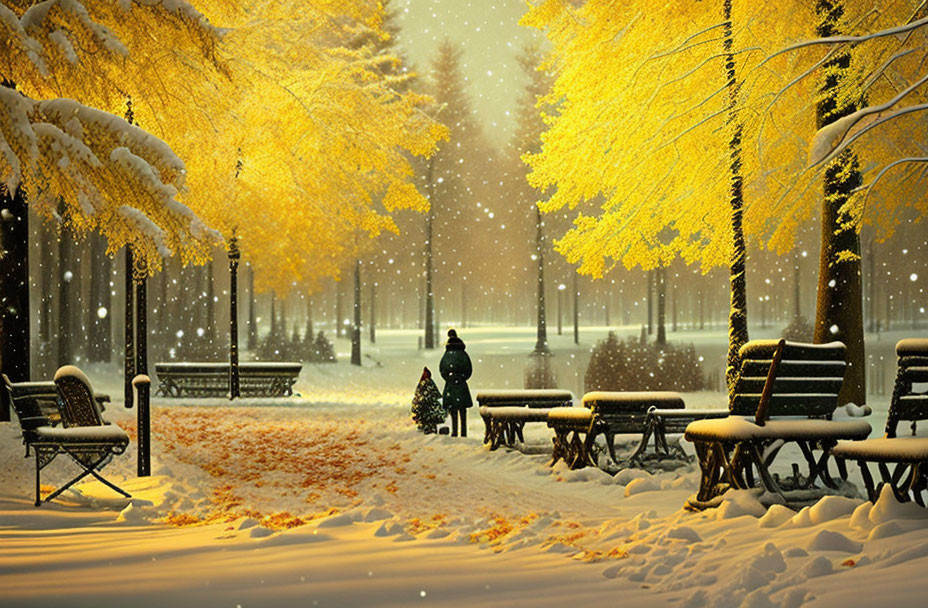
[427, 410]
[323, 350]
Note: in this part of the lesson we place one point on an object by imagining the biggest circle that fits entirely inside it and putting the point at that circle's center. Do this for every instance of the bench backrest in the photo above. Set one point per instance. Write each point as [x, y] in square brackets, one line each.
[805, 382]
[27, 409]
[533, 398]
[75, 398]
[912, 368]
[627, 411]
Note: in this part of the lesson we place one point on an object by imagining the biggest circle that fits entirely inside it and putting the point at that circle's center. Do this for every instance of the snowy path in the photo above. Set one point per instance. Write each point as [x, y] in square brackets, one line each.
[334, 499]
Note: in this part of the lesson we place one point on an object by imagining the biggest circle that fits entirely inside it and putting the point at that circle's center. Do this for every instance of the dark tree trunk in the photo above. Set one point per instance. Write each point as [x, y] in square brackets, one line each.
[308, 336]
[738, 305]
[14, 291]
[234, 257]
[429, 294]
[273, 334]
[373, 321]
[650, 298]
[871, 287]
[129, 352]
[100, 301]
[673, 309]
[356, 324]
[252, 312]
[47, 271]
[576, 309]
[541, 339]
[797, 305]
[339, 310]
[65, 281]
[838, 311]
[77, 305]
[661, 279]
[210, 333]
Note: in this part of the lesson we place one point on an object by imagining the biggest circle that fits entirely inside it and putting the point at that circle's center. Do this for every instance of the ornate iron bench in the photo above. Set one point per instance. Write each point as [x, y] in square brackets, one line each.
[626, 412]
[573, 427]
[506, 412]
[256, 379]
[84, 436]
[662, 422]
[909, 477]
[44, 395]
[786, 392]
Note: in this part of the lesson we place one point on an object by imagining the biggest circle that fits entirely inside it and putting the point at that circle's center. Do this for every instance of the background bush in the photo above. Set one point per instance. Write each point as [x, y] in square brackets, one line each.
[629, 365]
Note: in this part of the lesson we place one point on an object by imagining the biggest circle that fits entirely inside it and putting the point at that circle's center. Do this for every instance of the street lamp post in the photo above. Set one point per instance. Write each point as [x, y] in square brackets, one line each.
[234, 256]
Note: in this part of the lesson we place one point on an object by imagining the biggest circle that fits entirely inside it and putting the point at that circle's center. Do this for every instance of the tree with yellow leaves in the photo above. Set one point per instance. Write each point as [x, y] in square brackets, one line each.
[649, 129]
[77, 164]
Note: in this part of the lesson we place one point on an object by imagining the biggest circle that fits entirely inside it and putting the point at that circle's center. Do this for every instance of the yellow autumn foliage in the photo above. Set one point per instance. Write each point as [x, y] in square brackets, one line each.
[638, 145]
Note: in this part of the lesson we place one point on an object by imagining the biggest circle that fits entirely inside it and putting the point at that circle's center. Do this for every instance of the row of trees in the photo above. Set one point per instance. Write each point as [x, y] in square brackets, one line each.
[694, 142]
[267, 123]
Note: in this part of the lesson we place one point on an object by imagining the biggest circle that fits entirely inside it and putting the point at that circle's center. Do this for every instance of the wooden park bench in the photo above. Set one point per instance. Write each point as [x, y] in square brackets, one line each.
[256, 379]
[611, 413]
[786, 392]
[44, 396]
[506, 412]
[83, 435]
[909, 455]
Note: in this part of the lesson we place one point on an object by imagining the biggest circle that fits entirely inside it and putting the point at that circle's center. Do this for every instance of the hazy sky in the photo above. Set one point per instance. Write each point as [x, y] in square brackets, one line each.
[492, 38]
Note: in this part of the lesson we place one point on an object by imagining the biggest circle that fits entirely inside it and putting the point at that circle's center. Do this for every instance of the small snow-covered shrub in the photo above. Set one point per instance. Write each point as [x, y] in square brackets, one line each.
[629, 365]
[539, 373]
[427, 409]
[798, 330]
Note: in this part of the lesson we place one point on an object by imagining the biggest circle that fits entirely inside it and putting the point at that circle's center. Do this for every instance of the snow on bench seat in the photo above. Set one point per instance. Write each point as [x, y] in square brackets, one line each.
[109, 433]
[634, 401]
[736, 428]
[525, 397]
[884, 449]
[522, 414]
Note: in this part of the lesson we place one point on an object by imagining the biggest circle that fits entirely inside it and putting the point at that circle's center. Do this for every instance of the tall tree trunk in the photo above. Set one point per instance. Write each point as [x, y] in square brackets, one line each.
[14, 290]
[738, 305]
[65, 286]
[129, 361]
[650, 298]
[373, 321]
[234, 257]
[661, 277]
[838, 311]
[576, 308]
[100, 301]
[429, 233]
[541, 340]
[210, 333]
[77, 304]
[797, 305]
[871, 287]
[252, 311]
[308, 335]
[339, 310]
[356, 324]
[673, 309]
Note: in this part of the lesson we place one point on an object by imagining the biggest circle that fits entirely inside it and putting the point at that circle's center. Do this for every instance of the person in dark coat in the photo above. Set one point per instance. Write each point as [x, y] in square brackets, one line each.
[455, 368]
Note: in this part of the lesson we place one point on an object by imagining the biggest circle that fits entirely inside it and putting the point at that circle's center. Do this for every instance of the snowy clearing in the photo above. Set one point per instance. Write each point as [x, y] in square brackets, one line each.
[334, 499]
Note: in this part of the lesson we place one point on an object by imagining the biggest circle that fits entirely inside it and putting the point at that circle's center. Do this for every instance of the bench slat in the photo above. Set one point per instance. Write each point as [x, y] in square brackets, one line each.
[795, 369]
[755, 385]
[786, 404]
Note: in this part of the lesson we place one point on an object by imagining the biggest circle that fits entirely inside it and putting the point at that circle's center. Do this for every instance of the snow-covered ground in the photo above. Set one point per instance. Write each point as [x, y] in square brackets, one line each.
[334, 499]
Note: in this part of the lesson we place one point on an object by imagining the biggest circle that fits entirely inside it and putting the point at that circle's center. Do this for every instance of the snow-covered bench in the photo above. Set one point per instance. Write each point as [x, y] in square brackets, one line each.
[84, 435]
[256, 379]
[786, 392]
[909, 477]
[506, 412]
[573, 429]
[626, 412]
